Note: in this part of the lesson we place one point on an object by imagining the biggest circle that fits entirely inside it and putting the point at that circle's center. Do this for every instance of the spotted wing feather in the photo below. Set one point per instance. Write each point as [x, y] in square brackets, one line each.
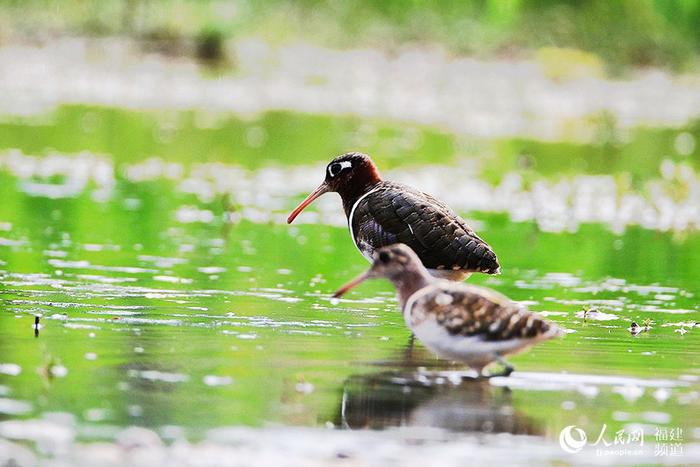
[441, 239]
[475, 311]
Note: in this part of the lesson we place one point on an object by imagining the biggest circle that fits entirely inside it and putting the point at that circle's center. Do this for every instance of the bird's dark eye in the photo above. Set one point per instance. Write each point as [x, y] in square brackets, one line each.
[335, 169]
[384, 257]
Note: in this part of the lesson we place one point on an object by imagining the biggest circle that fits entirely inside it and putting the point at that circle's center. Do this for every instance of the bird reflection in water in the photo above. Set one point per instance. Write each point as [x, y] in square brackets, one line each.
[416, 392]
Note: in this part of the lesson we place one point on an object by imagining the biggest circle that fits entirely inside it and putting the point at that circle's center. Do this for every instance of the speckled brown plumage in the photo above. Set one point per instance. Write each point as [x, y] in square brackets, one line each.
[467, 323]
[475, 311]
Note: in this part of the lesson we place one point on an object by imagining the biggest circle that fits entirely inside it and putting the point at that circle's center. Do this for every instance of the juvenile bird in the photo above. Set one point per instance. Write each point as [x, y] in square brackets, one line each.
[460, 322]
[382, 213]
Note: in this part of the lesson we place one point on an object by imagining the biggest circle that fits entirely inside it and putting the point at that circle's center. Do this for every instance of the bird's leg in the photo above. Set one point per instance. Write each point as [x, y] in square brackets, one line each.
[507, 367]
[479, 372]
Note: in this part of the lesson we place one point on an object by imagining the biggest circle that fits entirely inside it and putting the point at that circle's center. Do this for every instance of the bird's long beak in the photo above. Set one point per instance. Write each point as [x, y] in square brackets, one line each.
[353, 283]
[322, 188]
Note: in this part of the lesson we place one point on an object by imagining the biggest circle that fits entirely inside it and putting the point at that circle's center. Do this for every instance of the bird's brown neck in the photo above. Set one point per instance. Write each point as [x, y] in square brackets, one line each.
[410, 282]
[357, 186]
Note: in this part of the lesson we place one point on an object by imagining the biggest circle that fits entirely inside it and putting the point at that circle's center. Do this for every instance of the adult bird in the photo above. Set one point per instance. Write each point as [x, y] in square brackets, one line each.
[381, 213]
[466, 323]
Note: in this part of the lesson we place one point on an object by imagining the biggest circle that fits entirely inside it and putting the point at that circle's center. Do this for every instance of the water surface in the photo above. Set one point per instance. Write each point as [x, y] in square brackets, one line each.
[180, 302]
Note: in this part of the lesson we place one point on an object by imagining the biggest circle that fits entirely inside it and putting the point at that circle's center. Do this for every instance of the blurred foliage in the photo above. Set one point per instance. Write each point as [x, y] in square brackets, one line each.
[560, 63]
[623, 33]
[210, 45]
[283, 138]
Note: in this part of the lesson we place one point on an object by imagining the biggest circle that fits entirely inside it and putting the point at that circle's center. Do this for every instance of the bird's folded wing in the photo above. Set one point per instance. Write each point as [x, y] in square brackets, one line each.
[489, 315]
[441, 239]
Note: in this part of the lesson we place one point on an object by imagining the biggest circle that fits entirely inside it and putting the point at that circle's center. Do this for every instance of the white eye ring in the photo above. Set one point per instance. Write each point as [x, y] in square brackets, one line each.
[343, 165]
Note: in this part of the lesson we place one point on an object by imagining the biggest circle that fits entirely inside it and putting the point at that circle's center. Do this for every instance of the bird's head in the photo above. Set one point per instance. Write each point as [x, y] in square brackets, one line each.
[397, 262]
[348, 173]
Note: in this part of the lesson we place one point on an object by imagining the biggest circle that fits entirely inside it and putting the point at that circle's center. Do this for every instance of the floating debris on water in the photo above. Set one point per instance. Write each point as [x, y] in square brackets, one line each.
[636, 329]
[211, 270]
[213, 380]
[58, 370]
[156, 375]
[594, 314]
[629, 392]
[172, 279]
[304, 387]
[11, 369]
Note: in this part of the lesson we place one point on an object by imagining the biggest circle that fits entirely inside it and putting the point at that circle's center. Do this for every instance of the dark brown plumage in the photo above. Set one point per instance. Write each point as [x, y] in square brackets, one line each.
[382, 213]
[395, 213]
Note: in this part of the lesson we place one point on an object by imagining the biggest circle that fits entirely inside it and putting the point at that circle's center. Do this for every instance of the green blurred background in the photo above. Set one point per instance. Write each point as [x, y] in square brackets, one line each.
[150, 151]
[623, 33]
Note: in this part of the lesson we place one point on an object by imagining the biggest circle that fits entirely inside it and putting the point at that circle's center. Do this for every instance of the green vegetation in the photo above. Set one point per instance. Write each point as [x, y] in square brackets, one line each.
[624, 33]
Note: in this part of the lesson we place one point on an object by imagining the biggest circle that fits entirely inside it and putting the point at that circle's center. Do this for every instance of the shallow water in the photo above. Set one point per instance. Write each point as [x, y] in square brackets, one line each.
[167, 306]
